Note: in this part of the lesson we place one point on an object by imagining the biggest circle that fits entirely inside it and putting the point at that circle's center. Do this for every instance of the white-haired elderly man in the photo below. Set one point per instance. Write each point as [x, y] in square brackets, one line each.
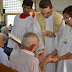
[5, 31]
[23, 59]
[3, 56]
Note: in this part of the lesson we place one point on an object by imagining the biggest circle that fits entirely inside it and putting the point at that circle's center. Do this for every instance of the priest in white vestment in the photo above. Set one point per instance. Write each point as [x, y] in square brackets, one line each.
[25, 23]
[51, 25]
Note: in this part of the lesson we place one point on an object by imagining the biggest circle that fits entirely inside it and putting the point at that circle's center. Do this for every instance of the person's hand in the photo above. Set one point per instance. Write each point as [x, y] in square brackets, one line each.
[45, 61]
[55, 59]
[49, 33]
[48, 59]
[41, 53]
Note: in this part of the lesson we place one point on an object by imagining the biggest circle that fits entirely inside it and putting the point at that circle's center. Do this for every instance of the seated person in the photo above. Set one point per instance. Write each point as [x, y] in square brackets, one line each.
[23, 59]
[3, 56]
[5, 31]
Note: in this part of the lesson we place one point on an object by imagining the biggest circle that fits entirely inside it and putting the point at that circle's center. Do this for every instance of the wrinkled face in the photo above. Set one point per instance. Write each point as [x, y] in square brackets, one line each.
[46, 12]
[67, 19]
[2, 41]
[26, 9]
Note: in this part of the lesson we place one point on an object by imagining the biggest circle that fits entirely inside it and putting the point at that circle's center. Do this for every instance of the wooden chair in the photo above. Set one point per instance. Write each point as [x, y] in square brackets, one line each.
[4, 68]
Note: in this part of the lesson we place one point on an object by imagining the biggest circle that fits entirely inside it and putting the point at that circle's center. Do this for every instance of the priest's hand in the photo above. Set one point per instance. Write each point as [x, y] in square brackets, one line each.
[49, 33]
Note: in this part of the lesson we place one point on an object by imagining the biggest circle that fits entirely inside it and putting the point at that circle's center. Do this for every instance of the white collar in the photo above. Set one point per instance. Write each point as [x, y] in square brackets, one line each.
[26, 51]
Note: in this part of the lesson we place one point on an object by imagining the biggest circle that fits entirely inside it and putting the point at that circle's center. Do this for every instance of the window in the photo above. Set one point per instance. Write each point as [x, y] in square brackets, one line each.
[12, 6]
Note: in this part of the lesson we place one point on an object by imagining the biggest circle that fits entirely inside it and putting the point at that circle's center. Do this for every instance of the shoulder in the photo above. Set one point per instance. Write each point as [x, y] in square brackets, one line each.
[56, 14]
[35, 60]
[30, 18]
[17, 16]
[14, 53]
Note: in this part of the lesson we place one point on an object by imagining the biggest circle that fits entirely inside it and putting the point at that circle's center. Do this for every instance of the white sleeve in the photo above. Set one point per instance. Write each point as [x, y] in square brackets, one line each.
[59, 33]
[37, 30]
[11, 43]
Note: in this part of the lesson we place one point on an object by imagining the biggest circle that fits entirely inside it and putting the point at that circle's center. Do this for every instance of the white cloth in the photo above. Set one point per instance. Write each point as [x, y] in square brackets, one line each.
[24, 61]
[50, 42]
[65, 46]
[3, 57]
[21, 26]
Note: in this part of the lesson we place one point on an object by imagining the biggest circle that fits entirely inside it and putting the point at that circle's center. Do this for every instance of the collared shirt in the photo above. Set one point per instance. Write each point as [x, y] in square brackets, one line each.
[3, 57]
[24, 61]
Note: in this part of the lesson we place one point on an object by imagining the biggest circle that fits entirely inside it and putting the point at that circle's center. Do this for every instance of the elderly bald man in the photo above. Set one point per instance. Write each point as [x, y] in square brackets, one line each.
[3, 56]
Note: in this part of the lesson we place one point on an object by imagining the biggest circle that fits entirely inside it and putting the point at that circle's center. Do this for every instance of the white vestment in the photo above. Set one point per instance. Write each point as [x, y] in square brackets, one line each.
[64, 47]
[50, 42]
[21, 26]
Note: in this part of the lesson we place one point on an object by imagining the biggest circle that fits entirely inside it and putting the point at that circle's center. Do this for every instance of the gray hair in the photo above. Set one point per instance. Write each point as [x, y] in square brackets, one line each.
[29, 39]
[4, 29]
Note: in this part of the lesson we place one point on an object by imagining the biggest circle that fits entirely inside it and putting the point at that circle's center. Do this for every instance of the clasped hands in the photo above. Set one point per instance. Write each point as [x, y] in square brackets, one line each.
[45, 59]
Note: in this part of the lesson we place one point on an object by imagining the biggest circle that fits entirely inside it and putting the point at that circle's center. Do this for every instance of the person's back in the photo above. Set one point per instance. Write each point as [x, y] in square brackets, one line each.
[23, 59]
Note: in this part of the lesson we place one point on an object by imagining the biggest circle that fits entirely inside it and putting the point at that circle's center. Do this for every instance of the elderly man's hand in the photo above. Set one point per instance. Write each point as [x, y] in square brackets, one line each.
[41, 53]
[49, 33]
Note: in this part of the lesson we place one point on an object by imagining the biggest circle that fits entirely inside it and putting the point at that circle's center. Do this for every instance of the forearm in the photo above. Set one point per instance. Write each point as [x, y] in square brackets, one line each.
[43, 67]
[54, 52]
[67, 56]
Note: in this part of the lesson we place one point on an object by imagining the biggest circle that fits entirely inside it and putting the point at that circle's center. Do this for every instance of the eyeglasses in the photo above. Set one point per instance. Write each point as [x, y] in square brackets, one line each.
[67, 19]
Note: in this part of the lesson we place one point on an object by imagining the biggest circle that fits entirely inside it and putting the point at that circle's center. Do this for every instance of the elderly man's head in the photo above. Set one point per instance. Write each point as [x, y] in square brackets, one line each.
[2, 40]
[30, 41]
[4, 30]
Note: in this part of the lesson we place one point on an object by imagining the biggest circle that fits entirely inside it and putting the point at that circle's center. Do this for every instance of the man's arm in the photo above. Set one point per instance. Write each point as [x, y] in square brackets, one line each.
[64, 57]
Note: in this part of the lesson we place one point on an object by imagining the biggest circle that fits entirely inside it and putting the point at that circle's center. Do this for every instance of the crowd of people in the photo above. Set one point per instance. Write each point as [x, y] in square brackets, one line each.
[45, 40]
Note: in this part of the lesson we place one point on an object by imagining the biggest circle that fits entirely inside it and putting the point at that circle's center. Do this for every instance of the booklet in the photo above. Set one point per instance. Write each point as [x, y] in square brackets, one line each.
[14, 38]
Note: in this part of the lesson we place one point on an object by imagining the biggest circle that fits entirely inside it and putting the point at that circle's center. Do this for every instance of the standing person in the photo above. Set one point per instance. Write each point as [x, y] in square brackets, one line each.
[10, 27]
[64, 48]
[51, 25]
[25, 23]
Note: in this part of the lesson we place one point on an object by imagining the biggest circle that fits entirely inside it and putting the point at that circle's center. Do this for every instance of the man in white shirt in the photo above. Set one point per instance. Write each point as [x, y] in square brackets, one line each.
[25, 23]
[51, 25]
